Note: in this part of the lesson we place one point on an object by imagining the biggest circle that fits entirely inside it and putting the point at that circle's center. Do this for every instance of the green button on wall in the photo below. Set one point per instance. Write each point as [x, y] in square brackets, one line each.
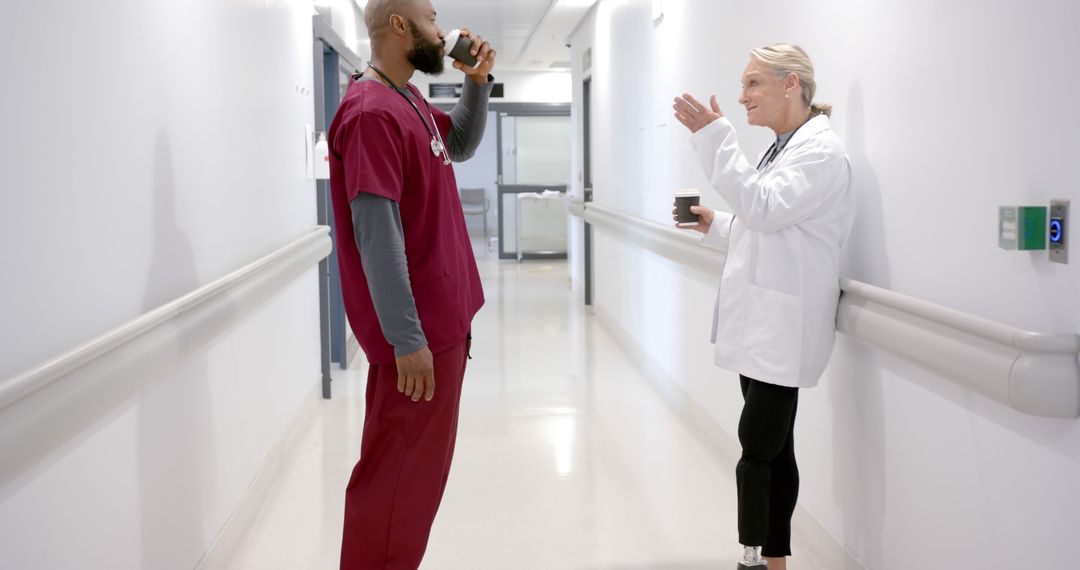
[1032, 230]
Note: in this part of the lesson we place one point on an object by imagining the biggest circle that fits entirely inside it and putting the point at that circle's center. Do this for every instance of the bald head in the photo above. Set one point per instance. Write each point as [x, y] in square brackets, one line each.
[377, 14]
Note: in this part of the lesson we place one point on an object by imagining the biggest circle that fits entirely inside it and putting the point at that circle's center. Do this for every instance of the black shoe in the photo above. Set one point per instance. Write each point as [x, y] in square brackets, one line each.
[760, 566]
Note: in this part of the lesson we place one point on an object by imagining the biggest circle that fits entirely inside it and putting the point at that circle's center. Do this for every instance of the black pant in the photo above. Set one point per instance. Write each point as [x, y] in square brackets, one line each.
[767, 476]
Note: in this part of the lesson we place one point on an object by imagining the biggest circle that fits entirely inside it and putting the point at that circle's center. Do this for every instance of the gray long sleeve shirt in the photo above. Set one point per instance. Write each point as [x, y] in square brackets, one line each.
[381, 241]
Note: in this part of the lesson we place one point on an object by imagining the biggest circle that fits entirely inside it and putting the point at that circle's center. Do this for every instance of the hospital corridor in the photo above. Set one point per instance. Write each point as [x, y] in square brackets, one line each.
[539, 285]
[565, 458]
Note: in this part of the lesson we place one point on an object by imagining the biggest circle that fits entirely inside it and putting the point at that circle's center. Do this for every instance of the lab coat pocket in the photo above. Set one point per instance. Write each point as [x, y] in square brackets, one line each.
[774, 331]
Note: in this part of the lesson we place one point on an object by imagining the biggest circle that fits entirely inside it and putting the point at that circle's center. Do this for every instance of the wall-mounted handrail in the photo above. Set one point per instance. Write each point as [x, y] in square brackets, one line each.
[46, 406]
[1034, 373]
[665, 241]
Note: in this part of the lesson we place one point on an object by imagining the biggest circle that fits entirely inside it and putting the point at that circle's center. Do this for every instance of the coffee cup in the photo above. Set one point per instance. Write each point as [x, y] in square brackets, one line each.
[459, 48]
[683, 201]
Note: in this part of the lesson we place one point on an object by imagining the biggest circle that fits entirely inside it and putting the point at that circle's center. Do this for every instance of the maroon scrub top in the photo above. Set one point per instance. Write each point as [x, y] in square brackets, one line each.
[379, 145]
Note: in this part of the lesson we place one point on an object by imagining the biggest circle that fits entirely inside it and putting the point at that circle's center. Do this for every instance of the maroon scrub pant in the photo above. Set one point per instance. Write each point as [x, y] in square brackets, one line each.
[405, 456]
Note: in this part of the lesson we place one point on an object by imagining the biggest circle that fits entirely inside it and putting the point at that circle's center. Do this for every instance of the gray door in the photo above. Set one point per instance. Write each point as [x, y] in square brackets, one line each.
[586, 117]
[534, 156]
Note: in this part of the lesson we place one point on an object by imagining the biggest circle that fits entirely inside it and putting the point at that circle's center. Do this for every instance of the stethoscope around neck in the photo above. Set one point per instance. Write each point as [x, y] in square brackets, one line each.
[770, 156]
[437, 145]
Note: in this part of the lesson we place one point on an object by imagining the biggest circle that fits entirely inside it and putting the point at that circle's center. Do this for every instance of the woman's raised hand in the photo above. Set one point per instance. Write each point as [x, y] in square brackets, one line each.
[693, 113]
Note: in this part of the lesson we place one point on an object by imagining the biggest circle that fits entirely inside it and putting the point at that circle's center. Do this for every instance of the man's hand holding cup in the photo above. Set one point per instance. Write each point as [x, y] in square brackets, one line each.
[471, 54]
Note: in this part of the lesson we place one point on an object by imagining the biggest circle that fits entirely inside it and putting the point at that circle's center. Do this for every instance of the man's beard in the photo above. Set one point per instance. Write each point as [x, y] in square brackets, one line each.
[425, 56]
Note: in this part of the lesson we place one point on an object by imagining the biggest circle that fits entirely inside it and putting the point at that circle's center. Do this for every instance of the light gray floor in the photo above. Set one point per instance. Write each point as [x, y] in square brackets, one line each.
[566, 457]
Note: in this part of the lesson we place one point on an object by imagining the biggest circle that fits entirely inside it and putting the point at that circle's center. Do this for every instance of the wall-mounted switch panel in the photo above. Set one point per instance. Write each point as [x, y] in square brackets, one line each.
[1022, 227]
[1059, 223]
[1007, 227]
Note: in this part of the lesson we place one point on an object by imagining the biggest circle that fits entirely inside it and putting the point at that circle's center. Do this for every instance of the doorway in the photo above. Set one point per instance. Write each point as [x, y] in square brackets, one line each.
[586, 138]
[533, 157]
[334, 63]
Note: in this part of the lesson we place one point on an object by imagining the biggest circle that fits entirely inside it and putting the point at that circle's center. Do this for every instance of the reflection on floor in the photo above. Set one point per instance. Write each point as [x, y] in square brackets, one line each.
[566, 457]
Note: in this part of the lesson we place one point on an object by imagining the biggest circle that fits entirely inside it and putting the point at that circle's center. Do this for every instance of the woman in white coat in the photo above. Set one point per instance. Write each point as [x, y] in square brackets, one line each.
[774, 320]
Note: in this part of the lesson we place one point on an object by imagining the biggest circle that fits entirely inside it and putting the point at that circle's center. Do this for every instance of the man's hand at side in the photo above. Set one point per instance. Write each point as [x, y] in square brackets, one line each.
[416, 375]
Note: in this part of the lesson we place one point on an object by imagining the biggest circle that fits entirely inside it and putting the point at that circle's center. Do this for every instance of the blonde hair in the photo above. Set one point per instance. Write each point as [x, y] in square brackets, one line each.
[788, 58]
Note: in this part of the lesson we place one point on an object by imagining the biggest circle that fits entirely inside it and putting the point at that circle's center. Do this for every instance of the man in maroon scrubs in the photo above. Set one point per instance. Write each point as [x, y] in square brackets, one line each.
[408, 275]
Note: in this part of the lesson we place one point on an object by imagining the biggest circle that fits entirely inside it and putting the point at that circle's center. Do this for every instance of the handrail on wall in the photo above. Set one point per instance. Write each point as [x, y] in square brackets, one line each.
[1035, 373]
[12, 389]
[45, 407]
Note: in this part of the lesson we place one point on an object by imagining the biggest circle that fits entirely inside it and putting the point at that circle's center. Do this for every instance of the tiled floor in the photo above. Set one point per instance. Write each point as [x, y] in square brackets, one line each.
[566, 457]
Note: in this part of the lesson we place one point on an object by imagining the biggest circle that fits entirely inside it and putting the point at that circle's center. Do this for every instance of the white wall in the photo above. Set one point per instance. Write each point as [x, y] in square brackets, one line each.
[149, 148]
[948, 111]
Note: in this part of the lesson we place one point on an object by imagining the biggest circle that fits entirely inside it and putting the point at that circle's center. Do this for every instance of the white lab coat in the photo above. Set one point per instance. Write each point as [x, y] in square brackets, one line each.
[775, 313]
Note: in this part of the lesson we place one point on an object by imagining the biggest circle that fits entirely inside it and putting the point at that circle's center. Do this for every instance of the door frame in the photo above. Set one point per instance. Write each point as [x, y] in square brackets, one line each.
[587, 184]
[330, 56]
[504, 110]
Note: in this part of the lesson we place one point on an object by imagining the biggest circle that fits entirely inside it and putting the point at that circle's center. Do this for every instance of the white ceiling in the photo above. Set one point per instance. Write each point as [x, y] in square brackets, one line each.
[528, 34]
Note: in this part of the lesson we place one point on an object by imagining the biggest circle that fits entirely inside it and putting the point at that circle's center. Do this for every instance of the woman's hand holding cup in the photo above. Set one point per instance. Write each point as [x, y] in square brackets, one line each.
[705, 218]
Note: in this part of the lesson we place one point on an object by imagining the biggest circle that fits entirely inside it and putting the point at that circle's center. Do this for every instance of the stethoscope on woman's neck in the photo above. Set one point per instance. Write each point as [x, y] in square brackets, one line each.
[778, 146]
[437, 145]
